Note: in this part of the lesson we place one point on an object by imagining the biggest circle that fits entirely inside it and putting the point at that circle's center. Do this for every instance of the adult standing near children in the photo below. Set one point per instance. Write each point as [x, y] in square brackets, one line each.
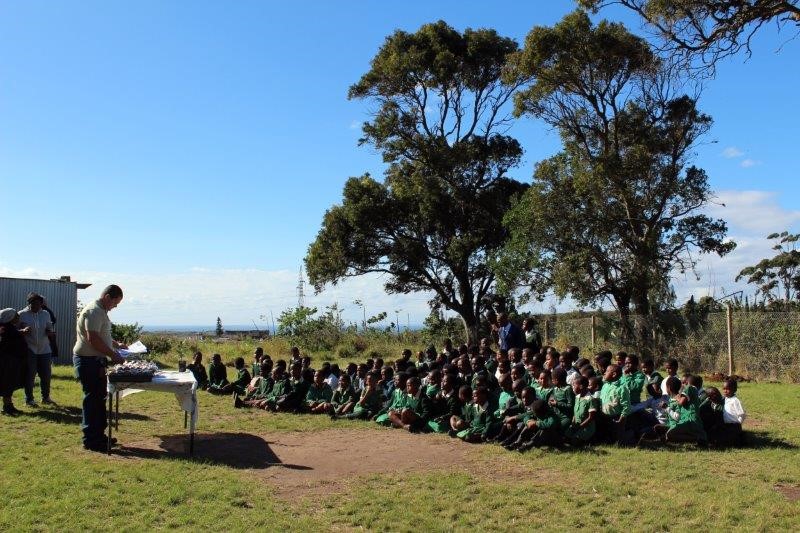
[509, 335]
[39, 331]
[93, 346]
[13, 358]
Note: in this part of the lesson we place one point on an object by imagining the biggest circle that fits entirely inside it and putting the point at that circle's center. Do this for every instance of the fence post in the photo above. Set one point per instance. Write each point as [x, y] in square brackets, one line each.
[594, 331]
[730, 338]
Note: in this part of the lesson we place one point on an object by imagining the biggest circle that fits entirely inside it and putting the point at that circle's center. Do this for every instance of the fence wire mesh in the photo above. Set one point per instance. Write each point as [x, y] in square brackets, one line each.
[765, 345]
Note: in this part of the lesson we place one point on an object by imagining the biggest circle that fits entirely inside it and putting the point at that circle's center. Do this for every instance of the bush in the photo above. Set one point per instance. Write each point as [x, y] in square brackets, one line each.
[126, 333]
[157, 344]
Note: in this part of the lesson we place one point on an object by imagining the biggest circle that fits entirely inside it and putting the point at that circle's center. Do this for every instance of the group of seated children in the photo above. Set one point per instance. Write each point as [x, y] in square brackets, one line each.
[519, 398]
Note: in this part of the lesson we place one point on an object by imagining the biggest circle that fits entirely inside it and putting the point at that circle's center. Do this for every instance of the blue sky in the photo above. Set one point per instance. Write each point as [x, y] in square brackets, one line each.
[188, 150]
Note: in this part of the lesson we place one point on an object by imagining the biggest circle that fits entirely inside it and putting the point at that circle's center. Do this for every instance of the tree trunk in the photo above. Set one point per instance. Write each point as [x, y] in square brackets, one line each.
[644, 327]
[471, 323]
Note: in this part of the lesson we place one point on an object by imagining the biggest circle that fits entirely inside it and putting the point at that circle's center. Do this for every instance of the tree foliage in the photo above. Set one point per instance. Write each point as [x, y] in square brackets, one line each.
[442, 113]
[777, 277]
[708, 29]
[617, 210]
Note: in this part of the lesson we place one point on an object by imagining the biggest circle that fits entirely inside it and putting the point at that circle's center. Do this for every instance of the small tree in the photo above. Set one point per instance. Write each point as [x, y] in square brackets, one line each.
[219, 329]
[778, 277]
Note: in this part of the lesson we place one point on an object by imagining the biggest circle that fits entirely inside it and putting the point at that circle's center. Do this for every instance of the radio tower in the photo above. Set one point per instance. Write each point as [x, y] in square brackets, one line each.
[301, 299]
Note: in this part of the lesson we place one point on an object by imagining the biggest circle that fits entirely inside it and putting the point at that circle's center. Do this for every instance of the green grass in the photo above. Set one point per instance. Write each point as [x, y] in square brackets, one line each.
[49, 482]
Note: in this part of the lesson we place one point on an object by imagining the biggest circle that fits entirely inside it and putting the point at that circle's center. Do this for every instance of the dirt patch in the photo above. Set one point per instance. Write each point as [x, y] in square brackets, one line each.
[790, 492]
[314, 463]
[311, 463]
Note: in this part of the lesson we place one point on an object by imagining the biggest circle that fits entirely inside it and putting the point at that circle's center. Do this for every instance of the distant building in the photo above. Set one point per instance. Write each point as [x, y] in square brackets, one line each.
[62, 298]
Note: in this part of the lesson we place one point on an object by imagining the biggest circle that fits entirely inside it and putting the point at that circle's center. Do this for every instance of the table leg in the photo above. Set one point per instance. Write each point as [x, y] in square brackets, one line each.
[191, 444]
[116, 419]
[185, 419]
[110, 414]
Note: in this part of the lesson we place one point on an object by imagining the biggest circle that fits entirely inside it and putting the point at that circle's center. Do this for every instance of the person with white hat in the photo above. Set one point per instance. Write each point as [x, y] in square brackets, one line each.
[40, 356]
[13, 358]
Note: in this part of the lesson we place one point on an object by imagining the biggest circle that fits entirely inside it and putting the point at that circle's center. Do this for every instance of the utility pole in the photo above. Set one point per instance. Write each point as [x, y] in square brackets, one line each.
[301, 297]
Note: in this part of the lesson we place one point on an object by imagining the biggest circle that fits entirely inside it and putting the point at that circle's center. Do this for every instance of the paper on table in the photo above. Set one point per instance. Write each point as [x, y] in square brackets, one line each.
[137, 348]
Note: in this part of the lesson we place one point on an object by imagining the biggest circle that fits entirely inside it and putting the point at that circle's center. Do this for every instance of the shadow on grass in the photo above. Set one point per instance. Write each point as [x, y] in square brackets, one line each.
[68, 377]
[72, 415]
[762, 439]
[235, 450]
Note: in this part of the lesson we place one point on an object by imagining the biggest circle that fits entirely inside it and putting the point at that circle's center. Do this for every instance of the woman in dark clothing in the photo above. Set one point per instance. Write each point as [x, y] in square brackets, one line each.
[13, 359]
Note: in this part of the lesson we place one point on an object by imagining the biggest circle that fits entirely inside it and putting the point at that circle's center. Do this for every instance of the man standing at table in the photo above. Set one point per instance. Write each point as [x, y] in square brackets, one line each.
[93, 346]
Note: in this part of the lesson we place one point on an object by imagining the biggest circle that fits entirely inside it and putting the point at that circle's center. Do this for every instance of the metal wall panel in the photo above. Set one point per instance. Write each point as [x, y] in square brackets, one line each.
[62, 299]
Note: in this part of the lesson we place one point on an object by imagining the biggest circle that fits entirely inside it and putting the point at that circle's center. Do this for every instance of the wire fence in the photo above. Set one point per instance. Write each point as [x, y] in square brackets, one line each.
[760, 345]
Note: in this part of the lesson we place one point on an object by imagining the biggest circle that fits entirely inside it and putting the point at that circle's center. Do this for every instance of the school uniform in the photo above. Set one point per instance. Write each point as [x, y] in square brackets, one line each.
[635, 383]
[542, 393]
[507, 404]
[683, 422]
[615, 404]
[422, 406]
[200, 374]
[565, 402]
[239, 385]
[343, 397]
[432, 390]
[479, 418]
[217, 375]
[396, 403]
[280, 389]
[547, 431]
[255, 369]
[445, 405]
[584, 405]
[262, 390]
[369, 403]
[317, 394]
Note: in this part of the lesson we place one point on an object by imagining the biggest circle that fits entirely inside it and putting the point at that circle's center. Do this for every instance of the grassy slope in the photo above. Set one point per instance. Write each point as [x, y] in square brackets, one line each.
[48, 482]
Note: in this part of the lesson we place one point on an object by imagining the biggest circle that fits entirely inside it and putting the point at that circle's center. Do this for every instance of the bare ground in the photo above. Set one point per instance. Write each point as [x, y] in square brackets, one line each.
[309, 464]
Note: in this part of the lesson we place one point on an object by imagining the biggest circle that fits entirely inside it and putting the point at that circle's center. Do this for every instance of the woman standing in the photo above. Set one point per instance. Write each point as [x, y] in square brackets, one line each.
[13, 358]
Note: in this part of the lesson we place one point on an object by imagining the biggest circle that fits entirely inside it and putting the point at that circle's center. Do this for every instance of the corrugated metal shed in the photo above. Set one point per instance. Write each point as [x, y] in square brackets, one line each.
[62, 298]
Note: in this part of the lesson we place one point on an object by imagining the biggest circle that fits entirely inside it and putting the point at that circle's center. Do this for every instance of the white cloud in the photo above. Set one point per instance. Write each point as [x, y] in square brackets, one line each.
[751, 216]
[747, 163]
[732, 152]
[238, 296]
[354, 125]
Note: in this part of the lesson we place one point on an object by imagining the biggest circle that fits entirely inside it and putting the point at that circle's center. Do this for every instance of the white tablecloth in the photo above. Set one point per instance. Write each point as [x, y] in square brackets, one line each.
[182, 384]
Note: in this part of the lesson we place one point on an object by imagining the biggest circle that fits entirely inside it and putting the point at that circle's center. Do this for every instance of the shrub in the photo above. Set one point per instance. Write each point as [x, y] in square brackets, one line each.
[157, 344]
[126, 333]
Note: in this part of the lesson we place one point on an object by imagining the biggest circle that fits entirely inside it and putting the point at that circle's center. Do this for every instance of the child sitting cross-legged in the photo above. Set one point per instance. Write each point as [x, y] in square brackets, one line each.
[416, 410]
[445, 405]
[544, 429]
[369, 402]
[344, 397]
[479, 418]
[319, 395]
[582, 428]
[683, 423]
[217, 374]
[509, 437]
[396, 401]
[239, 385]
[733, 415]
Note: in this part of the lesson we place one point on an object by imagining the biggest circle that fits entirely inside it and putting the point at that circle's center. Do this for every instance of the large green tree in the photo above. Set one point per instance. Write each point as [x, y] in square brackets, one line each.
[614, 213]
[442, 111]
[709, 29]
